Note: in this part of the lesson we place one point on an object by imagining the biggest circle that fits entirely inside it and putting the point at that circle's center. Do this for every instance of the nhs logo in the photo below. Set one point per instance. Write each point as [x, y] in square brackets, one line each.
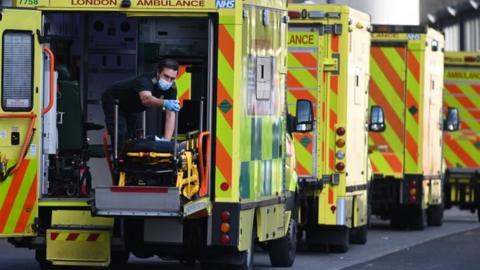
[225, 4]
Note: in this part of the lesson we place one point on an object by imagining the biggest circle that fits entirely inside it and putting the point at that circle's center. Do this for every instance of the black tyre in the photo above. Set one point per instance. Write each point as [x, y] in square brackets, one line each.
[478, 213]
[359, 235]
[119, 257]
[417, 218]
[342, 243]
[435, 215]
[282, 251]
[209, 266]
[398, 221]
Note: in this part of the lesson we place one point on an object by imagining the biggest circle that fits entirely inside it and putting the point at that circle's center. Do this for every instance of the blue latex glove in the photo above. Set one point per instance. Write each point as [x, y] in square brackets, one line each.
[171, 105]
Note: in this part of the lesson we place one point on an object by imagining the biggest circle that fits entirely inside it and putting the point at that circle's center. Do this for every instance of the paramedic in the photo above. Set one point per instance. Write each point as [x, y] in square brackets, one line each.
[155, 89]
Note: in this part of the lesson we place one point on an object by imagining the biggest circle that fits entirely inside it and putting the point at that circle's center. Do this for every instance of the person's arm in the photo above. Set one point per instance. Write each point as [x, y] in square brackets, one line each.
[169, 125]
[148, 100]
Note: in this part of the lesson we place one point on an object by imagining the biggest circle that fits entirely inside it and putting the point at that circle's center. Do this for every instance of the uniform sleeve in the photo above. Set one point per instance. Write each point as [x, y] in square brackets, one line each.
[142, 84]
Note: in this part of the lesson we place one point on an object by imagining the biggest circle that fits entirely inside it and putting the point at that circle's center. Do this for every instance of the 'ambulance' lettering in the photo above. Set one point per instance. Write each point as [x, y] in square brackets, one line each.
[94, 2]
[171, 3]
[462, 75]
[302, 39]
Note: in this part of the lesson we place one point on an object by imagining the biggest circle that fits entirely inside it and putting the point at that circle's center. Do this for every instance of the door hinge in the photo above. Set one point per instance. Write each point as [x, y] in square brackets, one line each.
[332, 64]
[335, 29]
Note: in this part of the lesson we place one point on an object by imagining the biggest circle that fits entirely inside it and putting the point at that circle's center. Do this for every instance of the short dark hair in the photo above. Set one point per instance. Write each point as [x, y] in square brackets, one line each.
[167, 63]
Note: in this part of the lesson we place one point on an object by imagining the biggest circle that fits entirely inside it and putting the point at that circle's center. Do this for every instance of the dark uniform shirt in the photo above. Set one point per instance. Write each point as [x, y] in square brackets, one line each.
[127, 92]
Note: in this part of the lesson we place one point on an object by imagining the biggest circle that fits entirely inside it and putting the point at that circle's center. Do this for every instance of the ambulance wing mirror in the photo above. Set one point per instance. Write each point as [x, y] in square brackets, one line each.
[452, 122]
[304, 116]
[377, 119]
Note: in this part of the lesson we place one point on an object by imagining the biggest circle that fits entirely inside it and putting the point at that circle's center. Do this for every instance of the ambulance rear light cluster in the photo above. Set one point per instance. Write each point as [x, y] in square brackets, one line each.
[304, 14]
[340, 151]
[225, 228]
[412, 192]
[471, 59]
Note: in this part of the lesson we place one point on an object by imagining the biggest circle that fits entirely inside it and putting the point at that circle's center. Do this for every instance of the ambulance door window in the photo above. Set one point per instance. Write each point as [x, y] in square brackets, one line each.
[17, 71]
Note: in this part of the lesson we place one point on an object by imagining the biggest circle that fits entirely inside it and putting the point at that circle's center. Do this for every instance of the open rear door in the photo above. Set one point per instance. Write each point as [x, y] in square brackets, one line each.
[20, 120]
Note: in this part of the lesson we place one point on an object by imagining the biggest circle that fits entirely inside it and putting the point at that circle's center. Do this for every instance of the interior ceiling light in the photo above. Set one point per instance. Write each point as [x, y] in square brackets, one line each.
[451, 11]
[431, 18]
[474, 4]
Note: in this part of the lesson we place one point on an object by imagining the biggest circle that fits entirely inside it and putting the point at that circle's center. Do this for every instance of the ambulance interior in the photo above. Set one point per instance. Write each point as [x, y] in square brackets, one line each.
[92, 51]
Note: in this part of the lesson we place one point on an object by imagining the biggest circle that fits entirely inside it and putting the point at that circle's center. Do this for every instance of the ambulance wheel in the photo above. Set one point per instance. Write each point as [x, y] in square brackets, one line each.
[282, 251]
[359, 235]
[339, 248]
[398, 220]
[119, 257]
[417, 217]
[435, 215]
[478, 213]
[341, 242]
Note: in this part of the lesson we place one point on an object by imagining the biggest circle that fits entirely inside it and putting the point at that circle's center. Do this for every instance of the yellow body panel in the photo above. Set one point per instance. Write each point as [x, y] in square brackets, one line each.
[271, 222]
[339, 91]
[78, 247]
[262, 36]
[407, 71]
[246, 228]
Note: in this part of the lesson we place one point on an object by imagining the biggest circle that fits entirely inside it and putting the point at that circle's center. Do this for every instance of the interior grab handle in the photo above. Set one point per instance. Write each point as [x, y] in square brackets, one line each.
[52, 80]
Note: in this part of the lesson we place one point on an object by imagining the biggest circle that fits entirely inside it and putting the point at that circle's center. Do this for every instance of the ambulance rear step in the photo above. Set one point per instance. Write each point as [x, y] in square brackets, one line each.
[137, 201]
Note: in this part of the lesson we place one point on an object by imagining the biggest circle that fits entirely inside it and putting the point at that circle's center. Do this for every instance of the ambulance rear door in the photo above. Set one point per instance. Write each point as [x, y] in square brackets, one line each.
[20, 120]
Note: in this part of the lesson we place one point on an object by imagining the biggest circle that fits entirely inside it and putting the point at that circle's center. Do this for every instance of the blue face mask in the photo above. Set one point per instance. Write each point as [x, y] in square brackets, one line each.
[164, 85]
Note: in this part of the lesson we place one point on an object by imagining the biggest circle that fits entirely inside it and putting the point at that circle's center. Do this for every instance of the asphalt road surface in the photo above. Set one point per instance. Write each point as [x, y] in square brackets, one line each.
[455, 245]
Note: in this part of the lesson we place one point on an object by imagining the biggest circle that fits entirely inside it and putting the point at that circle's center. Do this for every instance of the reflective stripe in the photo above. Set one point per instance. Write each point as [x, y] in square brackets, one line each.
[225, 111]
[462, 148]
[8, 204]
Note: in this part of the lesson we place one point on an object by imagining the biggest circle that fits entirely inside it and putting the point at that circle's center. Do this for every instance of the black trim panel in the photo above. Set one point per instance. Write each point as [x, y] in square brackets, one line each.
[356, 188]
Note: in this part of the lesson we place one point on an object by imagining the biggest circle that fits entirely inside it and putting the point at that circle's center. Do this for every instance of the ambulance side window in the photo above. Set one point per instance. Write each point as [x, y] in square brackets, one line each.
[17, 71]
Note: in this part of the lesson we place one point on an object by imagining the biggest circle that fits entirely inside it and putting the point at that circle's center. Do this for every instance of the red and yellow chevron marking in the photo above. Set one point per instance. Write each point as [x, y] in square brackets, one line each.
[184, 84]
[302, 83]
[462, 148]
[396, 150]
[332, 97]
[18, 200]
[79, 236]
[225, 104]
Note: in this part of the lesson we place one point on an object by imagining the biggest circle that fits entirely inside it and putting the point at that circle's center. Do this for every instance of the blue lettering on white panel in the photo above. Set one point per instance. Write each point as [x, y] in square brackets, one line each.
[225, 3]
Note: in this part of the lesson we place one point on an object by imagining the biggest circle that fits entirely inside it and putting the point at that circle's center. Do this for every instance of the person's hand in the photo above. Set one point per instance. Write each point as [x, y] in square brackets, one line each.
[171, 105]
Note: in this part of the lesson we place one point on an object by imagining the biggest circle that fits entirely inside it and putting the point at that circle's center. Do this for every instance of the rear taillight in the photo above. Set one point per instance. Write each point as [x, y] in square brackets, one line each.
[340, 166]
[225, 227]
[225, 216]
[340, 152]
[294, 14]
[412, 192]
[470, 59]
[224, 239]
[340, 143]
